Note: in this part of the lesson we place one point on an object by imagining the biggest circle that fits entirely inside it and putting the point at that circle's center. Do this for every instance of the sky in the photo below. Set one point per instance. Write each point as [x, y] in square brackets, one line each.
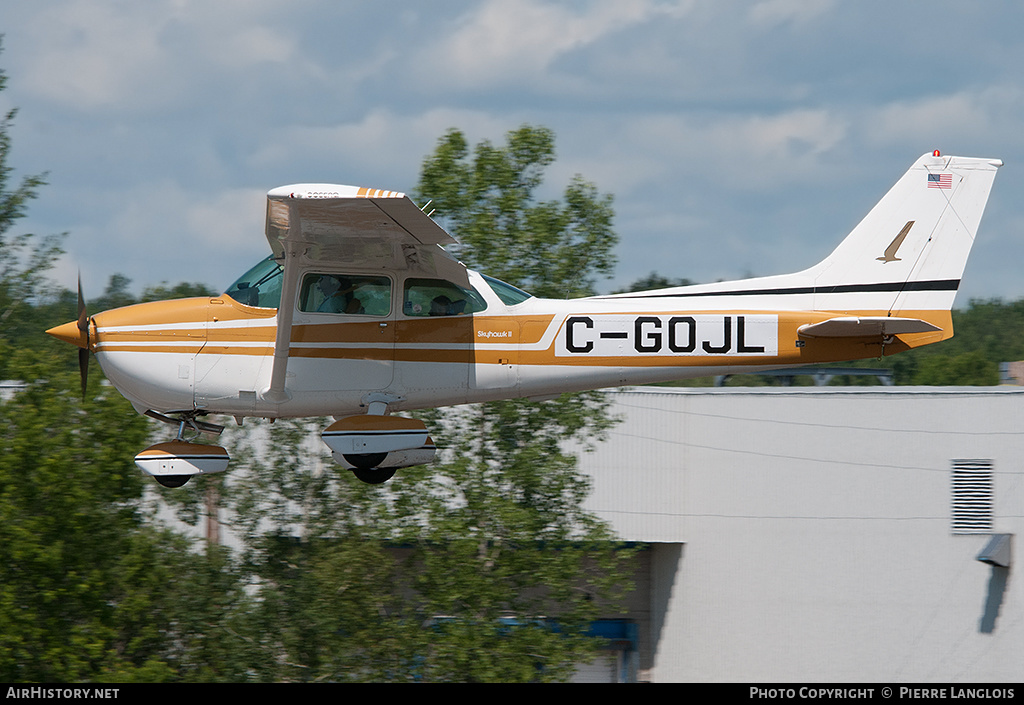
[737, 138]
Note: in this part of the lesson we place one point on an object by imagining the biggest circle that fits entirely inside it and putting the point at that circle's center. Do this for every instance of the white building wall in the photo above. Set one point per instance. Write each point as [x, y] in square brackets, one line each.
[816, 525]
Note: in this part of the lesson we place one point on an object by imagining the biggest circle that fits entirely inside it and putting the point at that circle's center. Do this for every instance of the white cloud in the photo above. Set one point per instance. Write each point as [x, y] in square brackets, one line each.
[757, 152]
[771, 13]
[228, 219]
[93, 54]
[130, 55]
[250, 46]
[792, 136]
[702, 118]
[380, 144]
[968, 119]
[515, 40]
[159, 231]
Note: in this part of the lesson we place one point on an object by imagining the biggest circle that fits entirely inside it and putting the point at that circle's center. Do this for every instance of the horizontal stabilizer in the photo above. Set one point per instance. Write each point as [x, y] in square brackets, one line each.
[865, 327]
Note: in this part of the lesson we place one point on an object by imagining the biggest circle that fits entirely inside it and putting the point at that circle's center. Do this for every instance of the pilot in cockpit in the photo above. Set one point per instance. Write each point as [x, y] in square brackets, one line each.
[338, 295]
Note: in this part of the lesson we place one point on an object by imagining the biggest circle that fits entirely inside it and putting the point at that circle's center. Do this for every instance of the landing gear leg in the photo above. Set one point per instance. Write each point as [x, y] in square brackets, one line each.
[175, 481]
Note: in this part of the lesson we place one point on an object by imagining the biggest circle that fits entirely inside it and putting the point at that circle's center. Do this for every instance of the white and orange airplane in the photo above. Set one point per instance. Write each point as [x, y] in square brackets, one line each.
[360, 312]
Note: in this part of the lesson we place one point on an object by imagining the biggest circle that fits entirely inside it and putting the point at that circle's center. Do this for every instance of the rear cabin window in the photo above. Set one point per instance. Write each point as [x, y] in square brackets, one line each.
[437, 297]
[508, 294]
[351, 294]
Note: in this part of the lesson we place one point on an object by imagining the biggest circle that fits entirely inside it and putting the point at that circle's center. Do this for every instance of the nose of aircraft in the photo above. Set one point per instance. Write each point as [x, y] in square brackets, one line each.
[70, 333]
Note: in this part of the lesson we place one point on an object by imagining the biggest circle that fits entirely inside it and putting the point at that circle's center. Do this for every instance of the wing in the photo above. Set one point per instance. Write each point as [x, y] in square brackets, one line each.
[329, 214]
[329, 225]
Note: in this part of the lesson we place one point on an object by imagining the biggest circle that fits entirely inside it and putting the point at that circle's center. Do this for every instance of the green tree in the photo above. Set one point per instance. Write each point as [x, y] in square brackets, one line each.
[503, 543]
[965, 369]
[489, 201]
[483, 566]
[327, 594]
[655, 281]
[24, 257]
[89, 588]
[182, 290]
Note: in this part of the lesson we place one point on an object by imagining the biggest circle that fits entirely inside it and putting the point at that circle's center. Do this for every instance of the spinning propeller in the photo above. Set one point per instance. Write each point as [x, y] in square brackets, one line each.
[83, 328]
[77, 333]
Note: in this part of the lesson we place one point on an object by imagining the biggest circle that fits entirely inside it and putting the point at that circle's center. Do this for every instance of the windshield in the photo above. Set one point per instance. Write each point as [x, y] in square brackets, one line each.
[260, 286]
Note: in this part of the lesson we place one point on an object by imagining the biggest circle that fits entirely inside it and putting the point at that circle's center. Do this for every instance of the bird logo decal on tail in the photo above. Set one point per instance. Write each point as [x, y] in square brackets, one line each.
[890, 251]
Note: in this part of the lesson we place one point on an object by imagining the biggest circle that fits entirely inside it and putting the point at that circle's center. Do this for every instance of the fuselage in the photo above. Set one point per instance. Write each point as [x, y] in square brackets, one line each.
[215, 354]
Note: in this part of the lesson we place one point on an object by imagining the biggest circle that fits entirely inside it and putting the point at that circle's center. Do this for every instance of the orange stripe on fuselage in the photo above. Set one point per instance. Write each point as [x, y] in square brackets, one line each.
[501, 338]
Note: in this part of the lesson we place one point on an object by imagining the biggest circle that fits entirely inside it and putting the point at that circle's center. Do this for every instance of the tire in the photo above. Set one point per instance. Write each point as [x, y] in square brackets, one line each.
[374, 476]
[365, 461]
[172, 481]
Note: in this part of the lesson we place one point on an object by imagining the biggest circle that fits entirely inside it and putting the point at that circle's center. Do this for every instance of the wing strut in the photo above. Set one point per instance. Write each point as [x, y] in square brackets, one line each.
[277, 393]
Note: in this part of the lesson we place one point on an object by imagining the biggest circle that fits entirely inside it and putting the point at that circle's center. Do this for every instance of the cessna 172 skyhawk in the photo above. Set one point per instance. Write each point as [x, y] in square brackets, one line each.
[359, 313]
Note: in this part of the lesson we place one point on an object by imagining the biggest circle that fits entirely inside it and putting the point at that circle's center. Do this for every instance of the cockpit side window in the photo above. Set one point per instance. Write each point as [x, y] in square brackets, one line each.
[260, 286]
[351, 294]
[437, 297]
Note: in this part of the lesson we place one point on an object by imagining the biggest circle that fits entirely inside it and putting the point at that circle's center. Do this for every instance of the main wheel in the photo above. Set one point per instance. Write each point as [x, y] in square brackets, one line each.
[374, 476]
[172, 480]
[365, 461]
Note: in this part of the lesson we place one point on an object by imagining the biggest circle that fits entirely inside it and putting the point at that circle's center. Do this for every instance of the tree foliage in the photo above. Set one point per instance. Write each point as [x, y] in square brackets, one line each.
[24, 257]
[500, 526]
[483, 566]
[90, 588]
[655, 281]
[489, 201]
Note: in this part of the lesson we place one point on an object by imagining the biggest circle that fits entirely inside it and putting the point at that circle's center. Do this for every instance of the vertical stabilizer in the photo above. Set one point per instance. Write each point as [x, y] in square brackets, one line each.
[911, 249]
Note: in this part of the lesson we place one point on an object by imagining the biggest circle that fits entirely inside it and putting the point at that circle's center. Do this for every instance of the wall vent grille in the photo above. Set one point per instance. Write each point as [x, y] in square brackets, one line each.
[971, 511]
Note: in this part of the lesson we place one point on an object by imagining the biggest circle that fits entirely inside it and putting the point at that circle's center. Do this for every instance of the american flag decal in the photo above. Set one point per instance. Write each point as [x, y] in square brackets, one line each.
[940, 181]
